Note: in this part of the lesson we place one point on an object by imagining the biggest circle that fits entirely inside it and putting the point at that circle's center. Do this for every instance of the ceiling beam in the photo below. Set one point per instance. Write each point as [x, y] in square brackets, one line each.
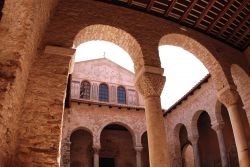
[240, 26]
[150, 4]
[171, 5]
[190, 7]
[242, 6]
[218, 17]
[204, 13]
[243, 35]
[130, 2]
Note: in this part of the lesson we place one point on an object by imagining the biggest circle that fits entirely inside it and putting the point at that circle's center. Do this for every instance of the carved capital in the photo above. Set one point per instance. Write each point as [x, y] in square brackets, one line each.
[96, 148]
[138, 148]
[228, 96]
[194, 139]
[218, 126]
[150, 84]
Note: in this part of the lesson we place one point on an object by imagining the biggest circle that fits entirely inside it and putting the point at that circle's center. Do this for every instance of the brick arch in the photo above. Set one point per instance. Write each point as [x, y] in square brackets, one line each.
[115, 35]
[242, 82]
[81, 128]
[177, 147]
[205, 54]
[125, 125]
[194, 121]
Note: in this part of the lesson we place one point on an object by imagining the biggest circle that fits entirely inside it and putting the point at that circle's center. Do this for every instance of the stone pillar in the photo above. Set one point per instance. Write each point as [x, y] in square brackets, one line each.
[218, 129]
[138, 150]
[96, 149]
[194, 141]
[230, 98]
[150, 82]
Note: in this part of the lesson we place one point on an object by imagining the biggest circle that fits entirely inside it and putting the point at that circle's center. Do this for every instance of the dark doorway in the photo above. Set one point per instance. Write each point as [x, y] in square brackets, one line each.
[107, 162]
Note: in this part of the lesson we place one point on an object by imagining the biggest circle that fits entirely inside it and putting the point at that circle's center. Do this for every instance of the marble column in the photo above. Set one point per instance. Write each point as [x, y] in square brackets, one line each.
[138, 150]
[150, 86]
[194, 141]
[230, 98]
[223, 153]
[96, 150]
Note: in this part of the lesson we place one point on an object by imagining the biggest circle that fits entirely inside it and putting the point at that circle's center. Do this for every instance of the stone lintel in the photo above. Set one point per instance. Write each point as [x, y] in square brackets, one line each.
[59, 51]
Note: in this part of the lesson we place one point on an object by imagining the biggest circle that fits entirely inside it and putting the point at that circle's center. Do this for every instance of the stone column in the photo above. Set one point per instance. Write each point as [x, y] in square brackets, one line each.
[96, 149]
[150, 82]
[194, 141]
[230, 98]
[138, 150]
[218, 129]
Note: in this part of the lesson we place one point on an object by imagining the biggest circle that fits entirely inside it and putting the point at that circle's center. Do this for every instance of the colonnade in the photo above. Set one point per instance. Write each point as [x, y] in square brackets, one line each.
[96, 156]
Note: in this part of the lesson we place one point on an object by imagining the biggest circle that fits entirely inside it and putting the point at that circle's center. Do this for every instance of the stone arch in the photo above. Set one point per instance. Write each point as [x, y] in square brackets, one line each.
[81, 128]
[114, 35]
[132, 133]
[194, 121]
[177, 144]
[242, 82]
[202, 53]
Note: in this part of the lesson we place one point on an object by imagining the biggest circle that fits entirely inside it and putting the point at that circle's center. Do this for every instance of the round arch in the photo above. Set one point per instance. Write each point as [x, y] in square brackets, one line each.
[242, 82]
[114, 35]
[81, 128]
[202, 53]
[194, 121]
[132, 133]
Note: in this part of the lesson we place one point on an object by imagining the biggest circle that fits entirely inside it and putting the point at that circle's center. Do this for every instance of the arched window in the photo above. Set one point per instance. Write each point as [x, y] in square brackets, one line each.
[85, 90]
[121, 95]
[103, 92]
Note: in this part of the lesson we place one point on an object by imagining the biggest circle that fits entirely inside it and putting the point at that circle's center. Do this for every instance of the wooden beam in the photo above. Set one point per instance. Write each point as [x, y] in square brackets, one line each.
[243, 35]
[171, 5]
[246, 44]
[130, 2]
[242, 6]
[208, 7]
[150, 4]
[240, 26]
[190, 7]
[218, 17]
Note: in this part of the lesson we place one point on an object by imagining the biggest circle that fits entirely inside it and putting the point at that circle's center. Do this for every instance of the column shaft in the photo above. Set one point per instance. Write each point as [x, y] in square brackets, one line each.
[196, 154]
[96, 159]
[158, 153]
[239, 135]
[222, 146]
[138, 156]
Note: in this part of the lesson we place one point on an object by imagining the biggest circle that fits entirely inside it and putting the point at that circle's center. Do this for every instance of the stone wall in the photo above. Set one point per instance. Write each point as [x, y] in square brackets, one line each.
[41, 120]
[187, 113]
[22, 26]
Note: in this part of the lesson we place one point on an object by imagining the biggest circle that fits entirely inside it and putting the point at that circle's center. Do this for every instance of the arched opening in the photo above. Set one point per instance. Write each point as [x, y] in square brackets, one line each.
[187, 156]
[103, 92]
[1, 8]
[121, 95]
[117, 147]
[208, 58]
[85, 90]
[81, 153]
[208, 142]
[145, 153]
[232, 156]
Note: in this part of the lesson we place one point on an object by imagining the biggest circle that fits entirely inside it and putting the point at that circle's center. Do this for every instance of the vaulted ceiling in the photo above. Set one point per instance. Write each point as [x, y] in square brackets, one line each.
[226, 20]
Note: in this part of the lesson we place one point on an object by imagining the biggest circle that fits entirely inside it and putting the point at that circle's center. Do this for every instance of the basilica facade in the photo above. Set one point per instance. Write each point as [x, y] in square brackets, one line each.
[209, 126]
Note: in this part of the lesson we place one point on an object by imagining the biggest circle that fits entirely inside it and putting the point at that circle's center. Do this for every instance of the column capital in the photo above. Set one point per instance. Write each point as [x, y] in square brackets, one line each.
[217, 126]
[138, 148]
[150, 84]
[96, 148]
[228, 96]
[194, 139]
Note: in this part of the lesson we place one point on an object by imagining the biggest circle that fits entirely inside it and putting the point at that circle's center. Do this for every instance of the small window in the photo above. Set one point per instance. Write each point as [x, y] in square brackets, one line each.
[85, 90]
[103, 93]
[121, 95]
